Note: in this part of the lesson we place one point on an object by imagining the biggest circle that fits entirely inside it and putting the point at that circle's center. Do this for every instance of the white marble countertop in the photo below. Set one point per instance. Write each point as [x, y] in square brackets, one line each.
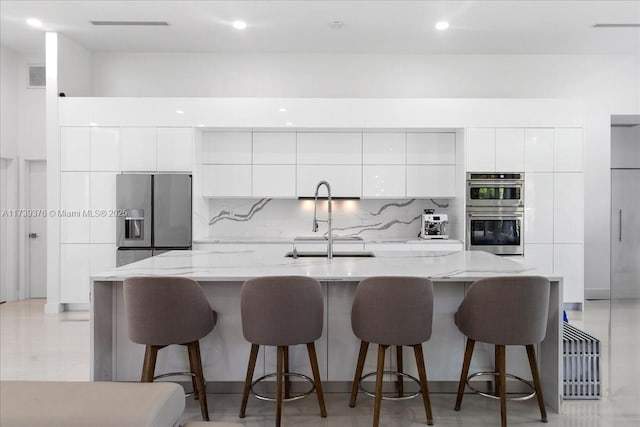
[287, 240]
[241, 265]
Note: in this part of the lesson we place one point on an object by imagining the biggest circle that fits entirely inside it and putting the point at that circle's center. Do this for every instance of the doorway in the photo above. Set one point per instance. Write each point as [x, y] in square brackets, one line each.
[36, 188]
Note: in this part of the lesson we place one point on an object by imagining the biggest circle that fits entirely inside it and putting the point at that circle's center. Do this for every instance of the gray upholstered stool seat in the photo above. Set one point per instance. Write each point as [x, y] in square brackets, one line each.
[282, 311]
[392, 311]
[162, 311]
[504, 311]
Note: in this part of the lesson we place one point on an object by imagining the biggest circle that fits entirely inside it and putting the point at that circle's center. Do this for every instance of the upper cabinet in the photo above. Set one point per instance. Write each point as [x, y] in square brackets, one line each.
[329, 148]
[428, 148]
[509, 150]
[226, 148]
[480, 149]
[138, 149]
[105, 149]
[274, 148]
[175, 149]
[273, 170]
[75, 149]
[384, 148]
[538, 150]
[567, 150]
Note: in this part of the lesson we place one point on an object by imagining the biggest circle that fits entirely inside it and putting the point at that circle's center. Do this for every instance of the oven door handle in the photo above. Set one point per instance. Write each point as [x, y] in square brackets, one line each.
[495, 184]
[490, 215]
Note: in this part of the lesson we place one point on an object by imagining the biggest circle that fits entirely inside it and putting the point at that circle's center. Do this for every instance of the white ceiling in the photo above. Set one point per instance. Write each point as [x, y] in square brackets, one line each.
[477, 27]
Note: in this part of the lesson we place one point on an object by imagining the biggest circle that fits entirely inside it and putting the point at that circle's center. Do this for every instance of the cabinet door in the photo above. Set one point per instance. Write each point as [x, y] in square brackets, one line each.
[74, 199]
[274, 181]
[431, 148]
[226, 148]
[175, 149]
[538, 211]
[538, 150]
[345, 180]
[226, 180]
[510, 150]
[75, 269]
[138, 149]
[568, 262]
[103, 197]
[105, 149]
[103, 258]
[567, 150]
[274, 148]
[384, 148]
[383, 181]
[480, 149]
[329, 148]
[539, 256]
[568, 208]
[75, 148]
[431, 181]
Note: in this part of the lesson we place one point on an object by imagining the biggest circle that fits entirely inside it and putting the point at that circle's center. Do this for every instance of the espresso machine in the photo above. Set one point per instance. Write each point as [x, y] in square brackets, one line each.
[434, 226]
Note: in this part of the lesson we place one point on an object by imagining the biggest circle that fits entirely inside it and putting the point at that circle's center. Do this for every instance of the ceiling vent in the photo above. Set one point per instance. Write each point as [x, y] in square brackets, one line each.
[36, 76]
[131, 23]
[616, 26]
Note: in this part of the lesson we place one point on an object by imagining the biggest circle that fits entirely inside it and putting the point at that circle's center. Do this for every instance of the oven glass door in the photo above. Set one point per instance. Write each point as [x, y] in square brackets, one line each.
[499, 233]
[493, 194]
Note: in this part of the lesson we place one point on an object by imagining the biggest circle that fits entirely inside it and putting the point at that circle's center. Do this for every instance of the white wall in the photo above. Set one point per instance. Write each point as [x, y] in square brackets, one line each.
[74, 68]
[609, 84]
[8, 103]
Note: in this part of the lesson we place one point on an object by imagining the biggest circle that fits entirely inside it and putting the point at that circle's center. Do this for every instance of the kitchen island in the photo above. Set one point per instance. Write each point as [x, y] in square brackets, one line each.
[225, 353]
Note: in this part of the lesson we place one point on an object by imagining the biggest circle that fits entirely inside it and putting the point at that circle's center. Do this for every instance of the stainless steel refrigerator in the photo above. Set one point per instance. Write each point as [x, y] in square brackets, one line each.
[158, 215]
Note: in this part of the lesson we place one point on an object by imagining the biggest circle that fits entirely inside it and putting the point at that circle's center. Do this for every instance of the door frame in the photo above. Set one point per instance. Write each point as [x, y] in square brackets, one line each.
[24, 284]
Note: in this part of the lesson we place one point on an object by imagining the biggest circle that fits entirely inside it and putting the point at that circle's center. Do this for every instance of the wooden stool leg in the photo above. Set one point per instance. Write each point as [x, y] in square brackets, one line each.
[400, 381]
[496, 383]
[503, 384]
[287, 381]
[364, 346]
[253, 356]
[531, 353]
[279, 363]
[196, 368]
[313, 359]
[379, 378]
[149, 364]
[424, 385]
[468, 352]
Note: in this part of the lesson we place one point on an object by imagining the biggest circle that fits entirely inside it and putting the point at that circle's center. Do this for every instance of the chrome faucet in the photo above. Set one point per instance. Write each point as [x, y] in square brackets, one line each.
[328, 220]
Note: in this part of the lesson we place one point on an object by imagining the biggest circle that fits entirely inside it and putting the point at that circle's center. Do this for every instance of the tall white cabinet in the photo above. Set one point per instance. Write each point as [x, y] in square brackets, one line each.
[91, 157]
[552, 159]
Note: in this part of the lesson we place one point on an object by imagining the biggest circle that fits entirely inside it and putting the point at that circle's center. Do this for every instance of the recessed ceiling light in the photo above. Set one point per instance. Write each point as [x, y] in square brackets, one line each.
[289, 124]
[442, 25]
[201, 125]
[282, 109]
[34, 22]
[336, 25]
[239, 25]
[179, 111]
[93, 124]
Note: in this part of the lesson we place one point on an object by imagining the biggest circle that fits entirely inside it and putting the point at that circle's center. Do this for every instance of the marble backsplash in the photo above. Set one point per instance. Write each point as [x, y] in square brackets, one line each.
[245, 218]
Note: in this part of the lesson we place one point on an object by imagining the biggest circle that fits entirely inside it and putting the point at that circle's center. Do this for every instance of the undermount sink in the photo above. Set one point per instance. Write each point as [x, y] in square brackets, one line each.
[324, 239]
[296, 254]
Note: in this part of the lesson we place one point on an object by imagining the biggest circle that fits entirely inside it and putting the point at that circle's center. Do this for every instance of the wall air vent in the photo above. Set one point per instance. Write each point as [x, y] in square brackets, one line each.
[616, 26]
[36, 76]
[131, 23]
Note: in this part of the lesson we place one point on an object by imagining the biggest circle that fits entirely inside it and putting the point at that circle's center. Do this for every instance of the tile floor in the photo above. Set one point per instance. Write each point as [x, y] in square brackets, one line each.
[35, 345]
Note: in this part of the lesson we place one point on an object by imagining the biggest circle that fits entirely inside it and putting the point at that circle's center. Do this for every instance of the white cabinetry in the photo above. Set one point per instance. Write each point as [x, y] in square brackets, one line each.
[345, 180]
[538, 202]
[75, 270]
[329, 148]
[273, 181]
[105, 149]
[538, 150]
[75, 149]
[384, 148]
[103, 196]
[226, 148]
[273, 164]
[480, 149]
[568, 262]
[175, 149]
[384, 165]
[431, 148]
[437, 181]
[509, 150]
[567, 150]
[274, 148]
[226, 171]
[74, 200]
[384, 181]
[226, 180]
[138, 149]
[568, 208]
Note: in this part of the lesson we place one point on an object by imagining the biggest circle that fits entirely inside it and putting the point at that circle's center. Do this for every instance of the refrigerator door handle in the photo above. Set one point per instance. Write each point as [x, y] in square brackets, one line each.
[620, 226]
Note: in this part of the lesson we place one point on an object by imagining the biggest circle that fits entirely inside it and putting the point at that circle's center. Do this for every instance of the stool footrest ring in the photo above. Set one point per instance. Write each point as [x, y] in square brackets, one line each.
[385, 397]
[179, 374]
[496, 374]
[286, 374]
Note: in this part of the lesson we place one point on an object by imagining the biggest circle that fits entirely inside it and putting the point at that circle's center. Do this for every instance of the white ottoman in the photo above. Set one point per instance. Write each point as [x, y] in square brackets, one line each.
[96, 404]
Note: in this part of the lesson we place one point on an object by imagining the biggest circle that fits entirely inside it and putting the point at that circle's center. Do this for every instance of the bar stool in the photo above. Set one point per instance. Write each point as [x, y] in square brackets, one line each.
[392, 311]
[504, 311]
[162, 311]
[282, 311]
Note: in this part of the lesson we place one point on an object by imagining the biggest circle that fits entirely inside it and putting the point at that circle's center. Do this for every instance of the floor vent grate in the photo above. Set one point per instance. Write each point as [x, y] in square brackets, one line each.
[581, 364]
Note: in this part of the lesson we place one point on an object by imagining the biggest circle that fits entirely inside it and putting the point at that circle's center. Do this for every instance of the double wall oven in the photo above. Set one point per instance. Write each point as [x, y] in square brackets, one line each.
[495, 212]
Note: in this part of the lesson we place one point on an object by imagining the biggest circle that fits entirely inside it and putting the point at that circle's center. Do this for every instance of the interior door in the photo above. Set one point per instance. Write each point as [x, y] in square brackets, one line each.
[37, 227]
[625, 233]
